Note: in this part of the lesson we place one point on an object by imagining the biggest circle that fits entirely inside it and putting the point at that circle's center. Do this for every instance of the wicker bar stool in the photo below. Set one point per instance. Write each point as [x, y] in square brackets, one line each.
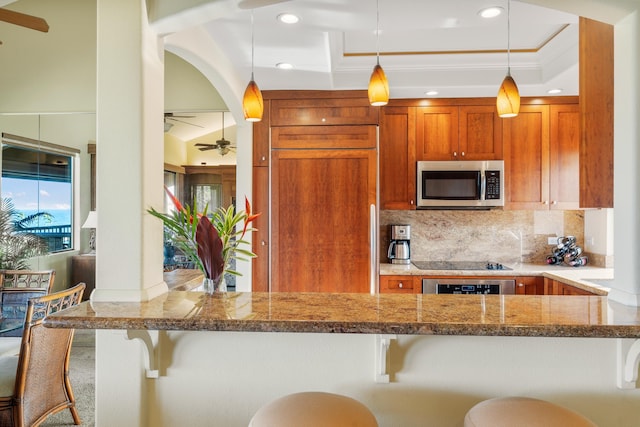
[314, 409]
[522, 412]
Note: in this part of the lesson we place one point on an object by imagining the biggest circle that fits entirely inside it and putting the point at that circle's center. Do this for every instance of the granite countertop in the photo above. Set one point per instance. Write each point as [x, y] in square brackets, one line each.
[589, 278]
[414, 314]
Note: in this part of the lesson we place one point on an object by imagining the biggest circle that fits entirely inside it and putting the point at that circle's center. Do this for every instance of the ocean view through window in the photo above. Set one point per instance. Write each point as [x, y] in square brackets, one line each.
[37, 179]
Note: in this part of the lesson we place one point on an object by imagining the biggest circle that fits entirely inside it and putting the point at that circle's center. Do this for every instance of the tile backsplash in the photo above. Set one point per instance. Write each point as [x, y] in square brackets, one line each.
[496, 235]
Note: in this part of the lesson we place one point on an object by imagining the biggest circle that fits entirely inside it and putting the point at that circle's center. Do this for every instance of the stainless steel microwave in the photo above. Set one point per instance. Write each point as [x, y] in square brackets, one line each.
[461, 184]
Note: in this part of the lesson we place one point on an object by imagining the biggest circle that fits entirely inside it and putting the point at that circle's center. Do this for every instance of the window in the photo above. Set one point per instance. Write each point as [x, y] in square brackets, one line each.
[207, 195]
[38, 177]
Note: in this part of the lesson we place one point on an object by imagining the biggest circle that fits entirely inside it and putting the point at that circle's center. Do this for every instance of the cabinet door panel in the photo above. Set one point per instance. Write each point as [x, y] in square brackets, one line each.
[321, 220]
[437, 133]
[323, 112]
[397, 158]
[564, 157]
[526, 155]
[480, 133]
[260, 264]
[323, 137]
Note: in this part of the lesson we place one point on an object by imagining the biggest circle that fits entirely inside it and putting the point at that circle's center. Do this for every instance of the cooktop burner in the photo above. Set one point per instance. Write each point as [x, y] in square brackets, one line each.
[459, 265]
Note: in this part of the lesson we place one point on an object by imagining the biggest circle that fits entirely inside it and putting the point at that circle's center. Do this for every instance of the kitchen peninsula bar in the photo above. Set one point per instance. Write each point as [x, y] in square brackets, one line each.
[413, 359]
[490, 315]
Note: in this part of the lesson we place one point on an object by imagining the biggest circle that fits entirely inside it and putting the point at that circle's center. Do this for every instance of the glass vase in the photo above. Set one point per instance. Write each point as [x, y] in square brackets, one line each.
[213, 286]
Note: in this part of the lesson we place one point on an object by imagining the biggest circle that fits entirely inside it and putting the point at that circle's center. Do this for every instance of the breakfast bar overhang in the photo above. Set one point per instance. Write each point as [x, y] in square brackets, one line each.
[355, 343]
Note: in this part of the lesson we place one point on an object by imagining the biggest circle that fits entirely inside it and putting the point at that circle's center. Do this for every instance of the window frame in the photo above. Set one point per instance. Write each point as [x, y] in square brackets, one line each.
[51, 148]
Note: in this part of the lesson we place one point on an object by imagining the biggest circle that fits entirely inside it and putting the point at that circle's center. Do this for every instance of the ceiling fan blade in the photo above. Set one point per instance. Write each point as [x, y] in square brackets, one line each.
[24, 20]
[201, 144]
[253, 4]
[170, 115]
[206, 148]
[182, 121]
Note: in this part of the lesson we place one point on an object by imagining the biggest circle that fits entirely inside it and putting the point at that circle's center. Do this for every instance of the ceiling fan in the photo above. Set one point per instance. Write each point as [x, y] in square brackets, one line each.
[170, 116]
[222, 145]
[23, 20]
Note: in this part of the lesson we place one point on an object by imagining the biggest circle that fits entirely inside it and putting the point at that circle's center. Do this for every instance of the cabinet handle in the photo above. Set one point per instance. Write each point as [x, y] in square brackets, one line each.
[411, 202]
[263, 243]
[400, 285]
[462, 154]
[264, 158]
[455, 154]
[554, 202]
[546, 202]
[520, 285]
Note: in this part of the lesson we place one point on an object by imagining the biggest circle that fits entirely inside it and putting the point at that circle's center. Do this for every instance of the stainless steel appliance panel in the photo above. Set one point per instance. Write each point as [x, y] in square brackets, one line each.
[469, 286]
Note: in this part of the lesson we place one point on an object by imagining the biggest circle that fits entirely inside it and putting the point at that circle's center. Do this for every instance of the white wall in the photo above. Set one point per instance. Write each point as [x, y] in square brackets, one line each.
[221, 379]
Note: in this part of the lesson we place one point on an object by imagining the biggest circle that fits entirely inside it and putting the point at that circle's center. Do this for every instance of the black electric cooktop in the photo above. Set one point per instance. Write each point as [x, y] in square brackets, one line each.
[459, 265]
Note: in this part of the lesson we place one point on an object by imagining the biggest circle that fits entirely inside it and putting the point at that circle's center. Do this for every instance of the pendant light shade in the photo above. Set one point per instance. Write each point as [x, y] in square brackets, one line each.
[378, 87]
[508, 100]
[252, 103]
[378, 84]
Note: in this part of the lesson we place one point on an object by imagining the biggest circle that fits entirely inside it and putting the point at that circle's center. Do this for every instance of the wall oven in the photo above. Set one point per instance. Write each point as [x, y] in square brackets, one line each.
[463, 184]
[469, 286]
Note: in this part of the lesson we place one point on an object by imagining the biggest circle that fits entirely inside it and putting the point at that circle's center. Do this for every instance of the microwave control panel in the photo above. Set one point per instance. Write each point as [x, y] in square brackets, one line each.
[492, 179]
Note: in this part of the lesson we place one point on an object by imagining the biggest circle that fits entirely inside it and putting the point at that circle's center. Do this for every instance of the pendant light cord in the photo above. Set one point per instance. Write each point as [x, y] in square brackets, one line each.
[509, 37]
[377, 32]
[252, 44]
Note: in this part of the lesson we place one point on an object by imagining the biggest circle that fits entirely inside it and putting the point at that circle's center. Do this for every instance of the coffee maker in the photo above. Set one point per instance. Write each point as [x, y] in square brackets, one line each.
[399, 247]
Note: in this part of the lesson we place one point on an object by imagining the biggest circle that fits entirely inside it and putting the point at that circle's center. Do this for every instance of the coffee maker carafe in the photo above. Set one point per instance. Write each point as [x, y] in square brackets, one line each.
[399, 247]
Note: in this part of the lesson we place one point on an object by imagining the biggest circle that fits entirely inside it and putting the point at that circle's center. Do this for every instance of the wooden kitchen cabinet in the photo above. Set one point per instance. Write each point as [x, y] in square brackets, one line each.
[400, 285]
[529, 285]
[467, 132]
[564, 156]
[555, 287]
[260, 238]
[261, 138]
[83, 269]
[480, 133]
[541, 151]
[321, 210]
[397, 158]
[437, 133]
[322, 108]
[596, 108]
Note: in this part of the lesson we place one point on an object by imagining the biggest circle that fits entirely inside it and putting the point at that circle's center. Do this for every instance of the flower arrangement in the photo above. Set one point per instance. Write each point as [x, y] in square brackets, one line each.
[210, 243]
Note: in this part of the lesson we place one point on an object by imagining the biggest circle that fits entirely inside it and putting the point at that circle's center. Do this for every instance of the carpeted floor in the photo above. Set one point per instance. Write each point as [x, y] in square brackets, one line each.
[82, 374]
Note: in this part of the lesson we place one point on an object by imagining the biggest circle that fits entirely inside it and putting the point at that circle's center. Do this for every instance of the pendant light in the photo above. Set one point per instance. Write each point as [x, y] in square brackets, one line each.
[252, 103]
[508, 101]
[378, 84]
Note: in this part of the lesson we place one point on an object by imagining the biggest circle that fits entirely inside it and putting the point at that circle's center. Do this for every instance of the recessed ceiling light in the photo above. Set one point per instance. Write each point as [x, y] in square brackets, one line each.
[284, 65]
[431, 92]
[554, 91]
[288, 18]
[491, 12]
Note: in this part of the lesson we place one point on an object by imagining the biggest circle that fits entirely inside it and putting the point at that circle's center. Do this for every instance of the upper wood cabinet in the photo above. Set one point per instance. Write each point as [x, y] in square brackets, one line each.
[397, 157]
[564, 156]
[437, 133]
[541, 153]
[480, 133]
[596, 107]
[470, 132]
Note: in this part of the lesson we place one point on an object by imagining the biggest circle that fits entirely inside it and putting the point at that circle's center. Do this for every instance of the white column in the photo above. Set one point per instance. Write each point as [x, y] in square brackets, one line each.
[130, 99]
[626, 219]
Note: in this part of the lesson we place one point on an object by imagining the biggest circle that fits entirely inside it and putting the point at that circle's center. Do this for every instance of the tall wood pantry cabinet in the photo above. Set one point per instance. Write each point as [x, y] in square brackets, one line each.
[323, 185]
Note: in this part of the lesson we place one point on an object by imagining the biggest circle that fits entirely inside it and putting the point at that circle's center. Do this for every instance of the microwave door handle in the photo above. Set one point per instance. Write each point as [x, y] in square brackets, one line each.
[483, 186]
